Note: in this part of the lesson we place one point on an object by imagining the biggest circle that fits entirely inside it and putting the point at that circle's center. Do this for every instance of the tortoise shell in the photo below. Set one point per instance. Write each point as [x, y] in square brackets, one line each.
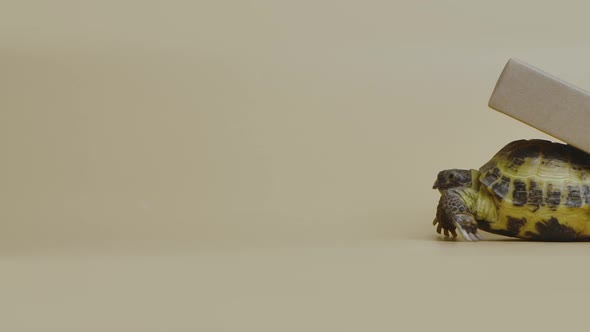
[538, 173]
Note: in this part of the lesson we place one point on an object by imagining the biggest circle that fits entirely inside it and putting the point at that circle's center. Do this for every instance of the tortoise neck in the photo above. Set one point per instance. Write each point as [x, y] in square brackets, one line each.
[478, 199]
[474, 179]
[485, 207]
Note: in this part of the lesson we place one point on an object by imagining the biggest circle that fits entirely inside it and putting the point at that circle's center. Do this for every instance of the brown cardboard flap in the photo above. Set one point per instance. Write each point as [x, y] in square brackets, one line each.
[545, 102]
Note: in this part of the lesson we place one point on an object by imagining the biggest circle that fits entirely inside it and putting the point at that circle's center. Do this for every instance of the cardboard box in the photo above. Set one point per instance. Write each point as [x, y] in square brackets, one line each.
[545, 102]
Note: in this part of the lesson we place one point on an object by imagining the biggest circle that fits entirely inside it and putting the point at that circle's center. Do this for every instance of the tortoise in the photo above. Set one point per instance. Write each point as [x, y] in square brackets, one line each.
[531, 189]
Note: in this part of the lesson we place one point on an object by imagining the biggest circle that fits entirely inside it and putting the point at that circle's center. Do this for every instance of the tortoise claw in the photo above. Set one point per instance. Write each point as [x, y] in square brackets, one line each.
[468, 234]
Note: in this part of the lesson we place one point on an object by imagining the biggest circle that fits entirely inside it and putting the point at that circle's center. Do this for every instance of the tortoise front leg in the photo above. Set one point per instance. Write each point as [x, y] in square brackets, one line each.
[453, 213]
[446, 229]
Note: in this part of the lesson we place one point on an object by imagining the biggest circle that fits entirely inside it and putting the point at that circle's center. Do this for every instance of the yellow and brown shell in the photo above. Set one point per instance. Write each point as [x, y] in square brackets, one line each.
[541, 190]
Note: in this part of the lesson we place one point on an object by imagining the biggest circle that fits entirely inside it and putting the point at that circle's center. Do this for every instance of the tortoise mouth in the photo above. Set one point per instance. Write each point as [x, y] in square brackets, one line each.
[440, 182]
[437, 182]
[436, 185]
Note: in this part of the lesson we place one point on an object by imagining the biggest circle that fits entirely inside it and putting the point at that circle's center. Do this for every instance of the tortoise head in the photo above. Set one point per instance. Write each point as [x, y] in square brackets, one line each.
[452, 178]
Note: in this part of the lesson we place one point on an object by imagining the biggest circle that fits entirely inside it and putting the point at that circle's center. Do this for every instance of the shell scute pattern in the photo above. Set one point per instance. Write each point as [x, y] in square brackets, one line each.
[530, 189]
[538, 173]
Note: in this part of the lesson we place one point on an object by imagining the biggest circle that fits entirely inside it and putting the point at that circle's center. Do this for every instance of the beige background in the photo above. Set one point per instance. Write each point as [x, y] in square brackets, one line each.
[267, 165]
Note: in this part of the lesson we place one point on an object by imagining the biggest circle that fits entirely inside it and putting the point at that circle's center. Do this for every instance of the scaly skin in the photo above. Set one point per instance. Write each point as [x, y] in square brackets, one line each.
[457, 207]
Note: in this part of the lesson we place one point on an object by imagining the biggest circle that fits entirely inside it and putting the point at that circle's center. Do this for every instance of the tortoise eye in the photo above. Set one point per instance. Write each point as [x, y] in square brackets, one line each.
[451, 176]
